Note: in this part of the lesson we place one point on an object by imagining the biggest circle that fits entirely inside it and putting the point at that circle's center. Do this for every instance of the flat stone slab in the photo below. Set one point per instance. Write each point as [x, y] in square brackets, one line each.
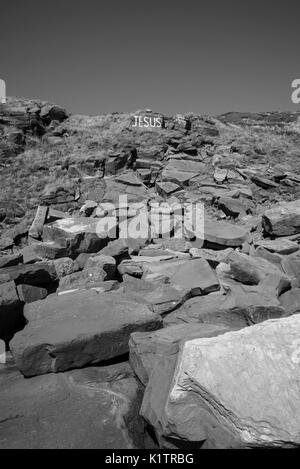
[181, 178]
[90, 408]
[279, 245]
[224, 234]
[130, 179]
[77, 329]
[241, 306]
[185, 166]
[195, 275]
[165, 189]
[161, 298]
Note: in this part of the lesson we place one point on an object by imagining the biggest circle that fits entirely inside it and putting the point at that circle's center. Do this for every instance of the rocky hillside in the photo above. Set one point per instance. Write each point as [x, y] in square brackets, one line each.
[180, 331]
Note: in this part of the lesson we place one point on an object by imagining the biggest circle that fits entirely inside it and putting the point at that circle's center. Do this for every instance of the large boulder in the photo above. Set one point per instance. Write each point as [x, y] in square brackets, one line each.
[238, 390]
[282, 219]
[90, 408]
[77, 329]
[51, 112]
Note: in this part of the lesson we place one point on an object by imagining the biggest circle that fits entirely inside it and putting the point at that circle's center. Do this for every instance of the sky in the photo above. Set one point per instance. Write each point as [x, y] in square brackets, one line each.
[179, 56]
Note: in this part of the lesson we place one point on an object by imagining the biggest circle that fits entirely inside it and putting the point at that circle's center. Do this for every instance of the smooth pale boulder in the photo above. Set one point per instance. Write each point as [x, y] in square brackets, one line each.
[237, 390]
[90, 408]
[77, 329]
[146, 347]
[283, 219]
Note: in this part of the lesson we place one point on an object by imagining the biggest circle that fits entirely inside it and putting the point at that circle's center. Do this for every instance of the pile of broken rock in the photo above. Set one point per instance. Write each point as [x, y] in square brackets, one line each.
[197, 374]
[156, 341]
